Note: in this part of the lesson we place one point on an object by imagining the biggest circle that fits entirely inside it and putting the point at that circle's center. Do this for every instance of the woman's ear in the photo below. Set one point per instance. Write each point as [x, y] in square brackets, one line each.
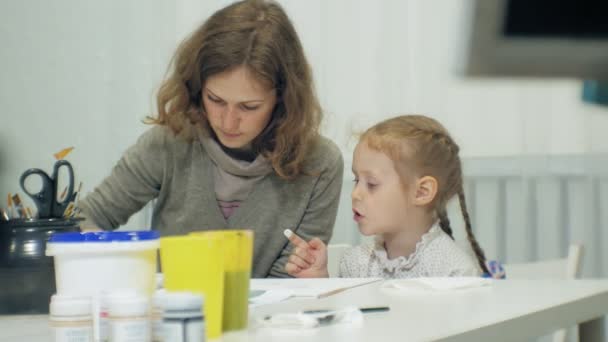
[426, 190]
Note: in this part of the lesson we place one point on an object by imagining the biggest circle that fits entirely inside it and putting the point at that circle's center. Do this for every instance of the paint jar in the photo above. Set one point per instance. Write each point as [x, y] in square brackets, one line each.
[70, 318]
[183, 318]
[128, 317]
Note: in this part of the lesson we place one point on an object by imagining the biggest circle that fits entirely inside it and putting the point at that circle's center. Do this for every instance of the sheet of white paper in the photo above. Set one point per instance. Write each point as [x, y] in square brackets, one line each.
[436, 284]
[270, 297]
[316, 287]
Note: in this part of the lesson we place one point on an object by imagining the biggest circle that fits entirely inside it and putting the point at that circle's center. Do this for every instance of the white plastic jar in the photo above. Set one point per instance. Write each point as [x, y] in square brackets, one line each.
[183, 319]
[70, 318]
[88, 263]
[102, 320]
[128, 317]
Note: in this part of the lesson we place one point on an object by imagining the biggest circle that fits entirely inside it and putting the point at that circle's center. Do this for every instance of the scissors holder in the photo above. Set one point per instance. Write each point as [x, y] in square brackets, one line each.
[27, 275]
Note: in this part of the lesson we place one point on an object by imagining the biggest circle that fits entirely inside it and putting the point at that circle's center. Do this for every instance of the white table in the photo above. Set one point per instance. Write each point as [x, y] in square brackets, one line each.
[510, 310]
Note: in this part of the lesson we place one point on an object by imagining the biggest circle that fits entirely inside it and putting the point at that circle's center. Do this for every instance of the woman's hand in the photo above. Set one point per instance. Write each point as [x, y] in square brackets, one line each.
[88, 226]
[308, 259]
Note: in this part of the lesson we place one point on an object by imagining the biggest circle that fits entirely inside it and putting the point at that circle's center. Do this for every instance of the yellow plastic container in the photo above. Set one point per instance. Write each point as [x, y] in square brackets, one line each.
[196, 263]
[238, 255]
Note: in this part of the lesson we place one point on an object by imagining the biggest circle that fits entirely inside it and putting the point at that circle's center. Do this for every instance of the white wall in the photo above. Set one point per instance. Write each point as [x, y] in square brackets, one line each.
[84, 73]
[77, 73]
[388, 57]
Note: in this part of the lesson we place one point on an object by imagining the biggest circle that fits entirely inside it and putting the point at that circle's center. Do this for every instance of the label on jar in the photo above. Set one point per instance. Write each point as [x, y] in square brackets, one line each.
[104, 325]
[78, 333]
[173, 331]
[186, 330]
[157, 325]
[129, 330]
[195, 330]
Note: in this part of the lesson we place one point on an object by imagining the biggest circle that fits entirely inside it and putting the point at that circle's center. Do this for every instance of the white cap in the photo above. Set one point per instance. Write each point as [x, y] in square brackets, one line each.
[175, 301]
[123, 303]
[160, 279]
[159, 297]
[66, 305]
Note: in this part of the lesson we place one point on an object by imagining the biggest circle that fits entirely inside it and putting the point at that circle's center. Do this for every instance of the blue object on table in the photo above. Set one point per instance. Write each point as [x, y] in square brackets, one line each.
[495, 269]
[46, 198]
[596, 92]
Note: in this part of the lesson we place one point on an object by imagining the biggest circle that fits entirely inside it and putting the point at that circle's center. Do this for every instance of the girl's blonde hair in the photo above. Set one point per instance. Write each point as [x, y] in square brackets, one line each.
[259, 35]
[419, 144]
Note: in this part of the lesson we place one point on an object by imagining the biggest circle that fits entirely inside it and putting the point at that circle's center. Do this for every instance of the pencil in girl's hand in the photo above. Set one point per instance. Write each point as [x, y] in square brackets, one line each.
[287, 232]
[294, 239]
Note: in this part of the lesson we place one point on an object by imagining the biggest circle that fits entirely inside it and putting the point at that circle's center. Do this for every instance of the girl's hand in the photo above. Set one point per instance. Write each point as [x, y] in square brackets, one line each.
[308, 259]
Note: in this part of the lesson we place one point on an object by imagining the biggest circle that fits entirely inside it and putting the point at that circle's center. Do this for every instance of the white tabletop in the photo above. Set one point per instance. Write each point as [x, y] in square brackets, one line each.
[510, 310]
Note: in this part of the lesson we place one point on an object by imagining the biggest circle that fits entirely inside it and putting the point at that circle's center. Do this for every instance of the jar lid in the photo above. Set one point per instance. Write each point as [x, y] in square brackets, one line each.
[104, 236]
[181, 300]
[66, 305]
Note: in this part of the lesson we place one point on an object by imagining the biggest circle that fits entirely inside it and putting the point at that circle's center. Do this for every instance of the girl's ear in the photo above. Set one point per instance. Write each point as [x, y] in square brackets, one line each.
[426, 190]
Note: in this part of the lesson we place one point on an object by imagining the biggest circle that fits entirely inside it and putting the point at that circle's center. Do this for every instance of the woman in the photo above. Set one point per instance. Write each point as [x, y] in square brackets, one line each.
[236, 142]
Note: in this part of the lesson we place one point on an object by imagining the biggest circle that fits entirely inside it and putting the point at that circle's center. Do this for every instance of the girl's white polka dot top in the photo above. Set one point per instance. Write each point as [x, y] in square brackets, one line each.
[436, 255]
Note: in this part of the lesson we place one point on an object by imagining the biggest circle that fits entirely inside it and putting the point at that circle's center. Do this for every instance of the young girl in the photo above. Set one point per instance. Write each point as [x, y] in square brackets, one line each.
[406, 170]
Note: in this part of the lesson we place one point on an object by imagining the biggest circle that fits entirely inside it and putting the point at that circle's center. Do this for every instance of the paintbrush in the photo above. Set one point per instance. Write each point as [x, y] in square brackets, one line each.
[62, 197]
[9, 205]
[29, 212]
[78, 192]
[19, 206]
[4, 215]
[68, 210]
[63, 153]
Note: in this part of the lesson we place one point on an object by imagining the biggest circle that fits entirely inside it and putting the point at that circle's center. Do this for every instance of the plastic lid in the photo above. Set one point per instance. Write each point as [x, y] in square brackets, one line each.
[178, 300]
[104, 237]
[65, 305]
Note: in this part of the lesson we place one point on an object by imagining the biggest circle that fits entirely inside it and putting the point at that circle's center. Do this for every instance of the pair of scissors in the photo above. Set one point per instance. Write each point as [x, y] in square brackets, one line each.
[46, 199]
